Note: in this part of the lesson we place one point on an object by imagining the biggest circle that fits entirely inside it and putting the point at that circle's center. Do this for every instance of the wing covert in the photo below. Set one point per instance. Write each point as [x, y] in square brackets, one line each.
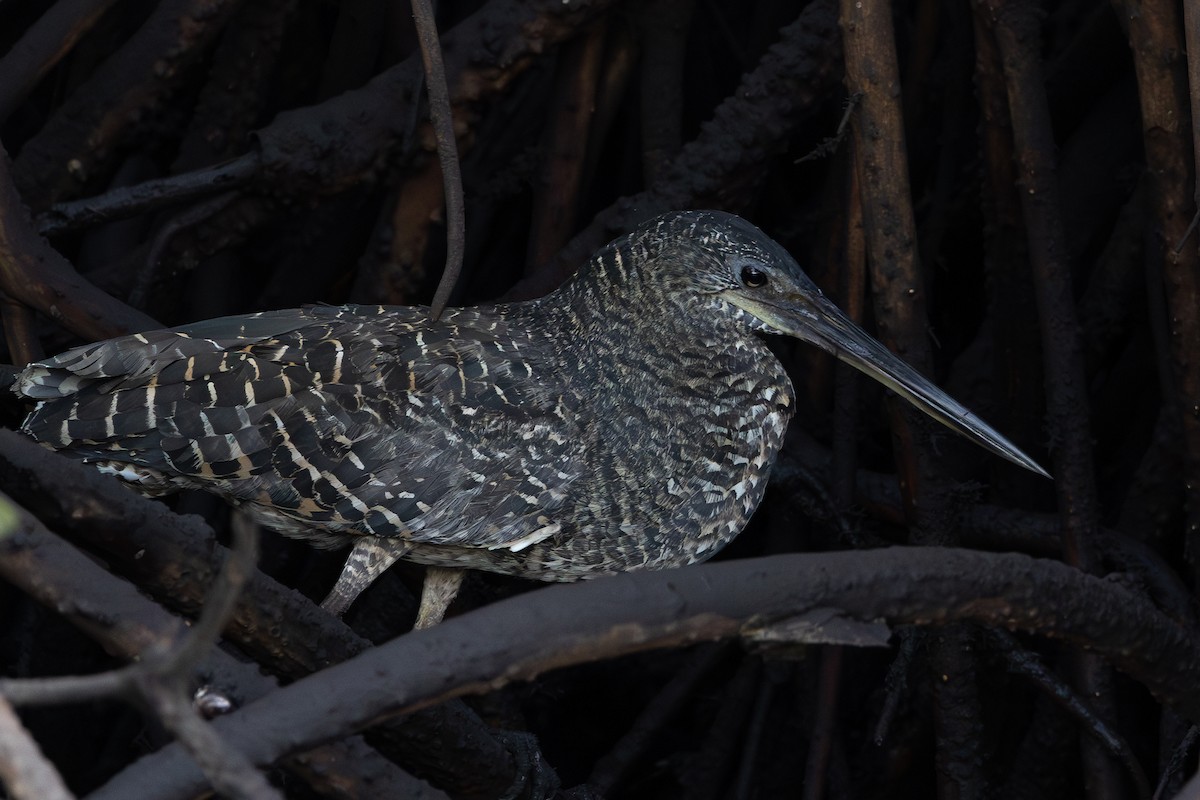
[354, 419]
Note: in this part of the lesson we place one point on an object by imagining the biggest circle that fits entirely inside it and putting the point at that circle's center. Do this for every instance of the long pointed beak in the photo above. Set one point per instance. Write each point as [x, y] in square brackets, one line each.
[815, 319]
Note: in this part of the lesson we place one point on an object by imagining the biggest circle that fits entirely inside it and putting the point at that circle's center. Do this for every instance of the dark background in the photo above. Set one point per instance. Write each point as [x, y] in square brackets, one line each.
[1047, 196]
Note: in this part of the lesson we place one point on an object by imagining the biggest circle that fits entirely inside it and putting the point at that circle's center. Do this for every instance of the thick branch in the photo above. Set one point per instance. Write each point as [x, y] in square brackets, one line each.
[329, 147]
[1156, 38]
[175, 558]
[83, 135]
[112, 612]
[43, 46]
[520, 638]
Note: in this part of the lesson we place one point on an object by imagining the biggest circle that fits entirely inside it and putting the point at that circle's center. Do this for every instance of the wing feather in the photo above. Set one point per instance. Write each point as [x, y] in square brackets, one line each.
[352, 419]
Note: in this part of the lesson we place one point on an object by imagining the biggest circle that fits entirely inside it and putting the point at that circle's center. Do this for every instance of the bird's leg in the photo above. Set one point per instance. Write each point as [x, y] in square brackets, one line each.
[369, 558]
[437, 593]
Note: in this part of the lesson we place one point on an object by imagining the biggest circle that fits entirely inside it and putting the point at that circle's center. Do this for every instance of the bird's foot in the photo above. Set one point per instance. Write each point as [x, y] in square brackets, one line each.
[437, 593]
[368, 559]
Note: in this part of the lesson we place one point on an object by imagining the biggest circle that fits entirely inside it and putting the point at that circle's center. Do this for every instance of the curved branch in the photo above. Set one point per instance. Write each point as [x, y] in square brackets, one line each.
[175, 558]
[520, 638]
[113, 613]
[1029, 666]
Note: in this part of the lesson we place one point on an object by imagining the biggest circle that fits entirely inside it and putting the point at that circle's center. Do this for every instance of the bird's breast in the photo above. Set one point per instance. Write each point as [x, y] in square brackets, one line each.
[673, 458]
[678, 469]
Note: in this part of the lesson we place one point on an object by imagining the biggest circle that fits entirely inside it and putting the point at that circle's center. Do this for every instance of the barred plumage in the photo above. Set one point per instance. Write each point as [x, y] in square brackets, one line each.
[628, 420]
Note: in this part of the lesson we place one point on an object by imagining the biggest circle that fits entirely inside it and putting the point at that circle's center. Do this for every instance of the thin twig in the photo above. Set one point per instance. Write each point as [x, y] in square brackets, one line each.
[443, 129]
[67, 688]
[222, 600]
[1178, 761]
[897, 683]
[230, 773]
[830, 144]
[186, 218]
[1191, 228]
[1027, 665]
[150, 195]
[127, 624]
[162, 680]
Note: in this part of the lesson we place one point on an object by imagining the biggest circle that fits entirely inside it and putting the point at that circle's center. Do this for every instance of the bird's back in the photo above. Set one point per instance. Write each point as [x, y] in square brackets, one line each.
[326, 422]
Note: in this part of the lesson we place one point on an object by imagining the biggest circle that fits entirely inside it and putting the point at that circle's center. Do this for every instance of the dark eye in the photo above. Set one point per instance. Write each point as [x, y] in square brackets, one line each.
[753, 277]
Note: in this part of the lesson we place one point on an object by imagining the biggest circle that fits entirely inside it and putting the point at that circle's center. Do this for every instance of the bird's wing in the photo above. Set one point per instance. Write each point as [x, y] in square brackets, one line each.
[100, 396]
[130, 360]
[337, 417]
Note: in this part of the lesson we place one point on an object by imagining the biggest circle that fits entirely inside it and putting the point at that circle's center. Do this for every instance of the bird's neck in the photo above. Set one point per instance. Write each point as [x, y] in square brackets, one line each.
[609, 331]
[603, 315]
[615, 294]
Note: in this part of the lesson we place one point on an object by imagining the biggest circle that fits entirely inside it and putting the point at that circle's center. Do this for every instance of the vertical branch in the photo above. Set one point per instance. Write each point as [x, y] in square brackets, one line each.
[824, 727]
[900, 309]
[1017, 34]
[1012, 315]
[1191, 38]
[20, 331]
[443, 129]
[851, 294]
[890, 227]
[1156, 39]
[566, 145]
[662, 27]
[1016, 27]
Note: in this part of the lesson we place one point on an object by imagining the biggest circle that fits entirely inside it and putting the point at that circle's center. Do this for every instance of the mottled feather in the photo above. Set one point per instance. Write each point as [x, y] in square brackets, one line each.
[626, 421]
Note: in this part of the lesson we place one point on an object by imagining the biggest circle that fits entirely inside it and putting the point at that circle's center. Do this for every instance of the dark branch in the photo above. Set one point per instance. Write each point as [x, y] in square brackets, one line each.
[148, 196]
[520, 638]
[442, 118]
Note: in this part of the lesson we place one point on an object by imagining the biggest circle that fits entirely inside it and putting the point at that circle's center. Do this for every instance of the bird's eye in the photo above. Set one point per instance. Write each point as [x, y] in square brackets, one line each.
[753, 277]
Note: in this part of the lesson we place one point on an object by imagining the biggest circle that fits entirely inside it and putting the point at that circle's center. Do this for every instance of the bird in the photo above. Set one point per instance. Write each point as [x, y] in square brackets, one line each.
[628, 420]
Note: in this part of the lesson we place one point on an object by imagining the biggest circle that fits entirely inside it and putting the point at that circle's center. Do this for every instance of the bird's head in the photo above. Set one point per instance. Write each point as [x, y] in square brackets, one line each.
[717, 263]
